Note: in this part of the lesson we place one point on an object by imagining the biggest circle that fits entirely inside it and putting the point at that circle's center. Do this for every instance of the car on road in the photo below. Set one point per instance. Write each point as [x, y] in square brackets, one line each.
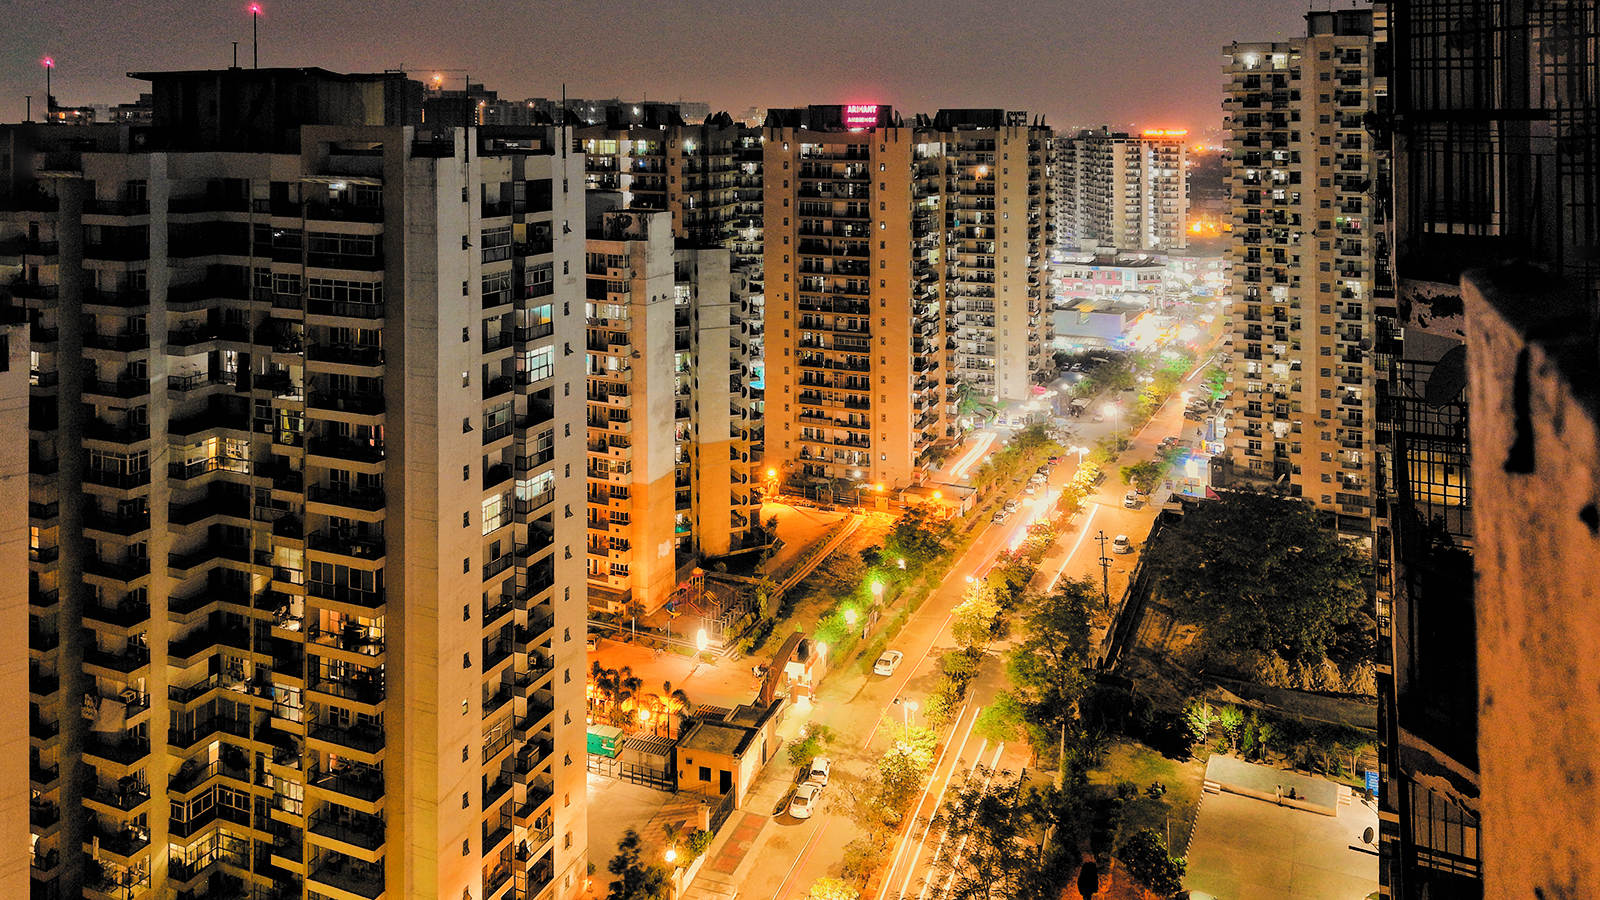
[820, 767]
[1030, 489]
[1121, 544]
[1131, 500]
[1010, 506]
[1099, 417]
[592, 642]
[804, 802]
[1000, 516]
[888, 662]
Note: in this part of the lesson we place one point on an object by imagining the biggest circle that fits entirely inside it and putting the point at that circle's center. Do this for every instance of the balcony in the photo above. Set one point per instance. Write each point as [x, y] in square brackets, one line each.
[346, 354]
[366, 832]
[352, 545]
[368, 403]
[338, 494]
[365, 738]
[351, 876]
[121, 748]
[344, 594]
[125, 842]
[361, 782]
[365, 451]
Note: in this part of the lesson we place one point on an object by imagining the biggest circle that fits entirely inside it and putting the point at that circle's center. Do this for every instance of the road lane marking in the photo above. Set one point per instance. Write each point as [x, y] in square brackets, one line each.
[1082, 533]
[923, 798]
[804, 855]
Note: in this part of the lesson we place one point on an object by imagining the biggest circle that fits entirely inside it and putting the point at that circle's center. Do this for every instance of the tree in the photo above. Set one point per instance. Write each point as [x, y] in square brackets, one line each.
[972, 622]
[832, 889]
[991, 821]
[919, 537]
[1046, 666]
[1260, 572]
[902, 768]
[1147, 860]
[636, 879]
[1143, 476]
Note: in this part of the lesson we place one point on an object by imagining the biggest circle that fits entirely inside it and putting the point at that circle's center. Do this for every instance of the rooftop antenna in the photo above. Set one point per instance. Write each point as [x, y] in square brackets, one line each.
[29, 98]
[255, 35]
[235, 54]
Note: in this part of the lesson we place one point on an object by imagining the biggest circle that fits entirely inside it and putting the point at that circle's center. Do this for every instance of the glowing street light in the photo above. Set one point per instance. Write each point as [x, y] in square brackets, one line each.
[1115, 411]
[910, 707]
[671, 854]
[850, 614]
[702, 640]
[49, 63]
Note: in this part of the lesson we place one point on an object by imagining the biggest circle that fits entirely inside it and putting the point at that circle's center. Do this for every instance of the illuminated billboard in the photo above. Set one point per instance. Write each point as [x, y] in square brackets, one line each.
[1165, 132]
[861, 116]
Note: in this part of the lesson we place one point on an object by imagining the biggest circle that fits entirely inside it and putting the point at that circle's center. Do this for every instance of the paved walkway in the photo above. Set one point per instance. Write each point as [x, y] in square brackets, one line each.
[1249, 849]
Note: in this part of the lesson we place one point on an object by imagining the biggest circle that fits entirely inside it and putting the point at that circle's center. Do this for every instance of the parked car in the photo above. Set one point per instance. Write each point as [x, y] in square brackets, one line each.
[1000, 516]
[804, 802]
[1010, 506]
[888, 662]
[1121, 544]
[1030, 489]
[592, 642]
[820, 767]
[1131, 500]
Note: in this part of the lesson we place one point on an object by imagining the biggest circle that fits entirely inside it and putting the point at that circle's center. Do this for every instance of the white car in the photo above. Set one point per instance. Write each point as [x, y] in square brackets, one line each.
[1121, 544]
[805, 801]
[820, 767]
[1000, 516]
[1010, 506]
[1131, 500]
[888, 662]
[592, 642]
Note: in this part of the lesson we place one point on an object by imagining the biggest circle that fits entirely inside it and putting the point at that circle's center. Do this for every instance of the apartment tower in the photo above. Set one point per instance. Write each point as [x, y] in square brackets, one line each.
[1119, 190]
[1301, 400]
[278, 335]
[855, 271]
[999, 225]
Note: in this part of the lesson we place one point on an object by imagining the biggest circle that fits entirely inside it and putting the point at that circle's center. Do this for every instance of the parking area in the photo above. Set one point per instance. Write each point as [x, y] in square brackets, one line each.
[1250, 849]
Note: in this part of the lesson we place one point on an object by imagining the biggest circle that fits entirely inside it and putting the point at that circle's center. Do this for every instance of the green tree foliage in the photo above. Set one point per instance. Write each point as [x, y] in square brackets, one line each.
[1259, 572]
[1146, 858]
[1143, 476]
[972, 623]
[636, 879]
[993, 822]
[919, 537]
[1046, 666]
[904, 765]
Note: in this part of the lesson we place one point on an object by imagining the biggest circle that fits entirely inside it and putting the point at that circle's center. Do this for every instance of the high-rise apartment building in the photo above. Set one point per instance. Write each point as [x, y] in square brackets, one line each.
[998, 217]
[708, 175]
[1120, 190]
[256, 326]
[675, 297]
[670, 462]
[854, 239]
[899, 260]
[1301, 398]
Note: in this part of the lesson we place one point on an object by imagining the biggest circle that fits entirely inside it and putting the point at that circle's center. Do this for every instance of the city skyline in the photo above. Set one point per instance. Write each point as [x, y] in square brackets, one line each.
[1080, 72]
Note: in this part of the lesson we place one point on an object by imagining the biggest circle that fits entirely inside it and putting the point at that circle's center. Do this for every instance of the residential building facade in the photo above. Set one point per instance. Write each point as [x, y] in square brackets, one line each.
[1121, 191]
[671, 462]
[1301, 398]
[255, 327]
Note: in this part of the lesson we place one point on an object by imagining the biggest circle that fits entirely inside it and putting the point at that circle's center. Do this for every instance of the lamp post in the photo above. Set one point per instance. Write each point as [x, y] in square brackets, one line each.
[1115, 411]
[702, 640]
[910, 707]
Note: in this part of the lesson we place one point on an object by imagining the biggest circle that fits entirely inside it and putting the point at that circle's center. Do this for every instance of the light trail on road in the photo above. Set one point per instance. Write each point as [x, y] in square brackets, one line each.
[959, 470]
[911, 819]
[961, 848]
[1082, 533]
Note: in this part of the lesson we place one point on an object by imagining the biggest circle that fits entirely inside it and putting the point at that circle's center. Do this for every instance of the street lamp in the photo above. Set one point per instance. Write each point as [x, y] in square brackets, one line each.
[877, 592]
[910, 707]
[1115, 411]
[702, 640]
[850, 615]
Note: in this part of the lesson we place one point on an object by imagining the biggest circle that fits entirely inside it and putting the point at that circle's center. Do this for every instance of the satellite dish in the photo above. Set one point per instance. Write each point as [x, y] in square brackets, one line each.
[1366, 836]
[1365, 344]
[1449, 377]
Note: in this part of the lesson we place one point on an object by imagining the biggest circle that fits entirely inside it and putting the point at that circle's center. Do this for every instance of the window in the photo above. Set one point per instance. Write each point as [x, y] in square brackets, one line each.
[496, 244]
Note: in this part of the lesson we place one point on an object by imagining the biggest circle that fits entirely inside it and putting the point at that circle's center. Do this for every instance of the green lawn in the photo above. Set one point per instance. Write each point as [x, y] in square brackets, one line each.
[1129, 760]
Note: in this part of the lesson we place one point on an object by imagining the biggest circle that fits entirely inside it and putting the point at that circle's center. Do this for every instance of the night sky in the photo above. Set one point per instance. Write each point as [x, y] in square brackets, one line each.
[1146, 63]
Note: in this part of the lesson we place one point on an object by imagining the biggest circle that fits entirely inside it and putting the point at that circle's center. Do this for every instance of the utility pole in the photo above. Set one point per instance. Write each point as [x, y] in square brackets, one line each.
[1105, 568]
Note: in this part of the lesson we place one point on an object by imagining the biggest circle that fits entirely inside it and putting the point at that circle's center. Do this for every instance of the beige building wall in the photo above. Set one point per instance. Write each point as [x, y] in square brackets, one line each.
[1536, 429]
[1301, 402]
[280, 384]
[854, 337]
